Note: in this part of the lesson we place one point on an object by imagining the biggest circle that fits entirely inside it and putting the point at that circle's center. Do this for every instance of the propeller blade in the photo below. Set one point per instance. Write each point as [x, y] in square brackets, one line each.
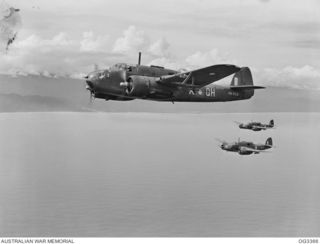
[219, 140]
[92, 97]
[124, 75]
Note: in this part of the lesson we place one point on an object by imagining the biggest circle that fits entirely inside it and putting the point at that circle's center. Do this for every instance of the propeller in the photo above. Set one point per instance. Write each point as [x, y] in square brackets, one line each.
[127, 82]
[222, 143]
[91, 91]
[219, 140]
[92, 97]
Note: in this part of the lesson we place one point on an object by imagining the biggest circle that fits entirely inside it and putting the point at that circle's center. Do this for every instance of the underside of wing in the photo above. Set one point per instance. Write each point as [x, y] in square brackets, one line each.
[200, 77]
[248, 149]
[259, 127]
[246, 87]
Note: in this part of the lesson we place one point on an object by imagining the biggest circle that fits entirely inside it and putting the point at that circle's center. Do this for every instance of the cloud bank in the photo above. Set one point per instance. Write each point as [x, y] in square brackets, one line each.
[66, 56]
[306, 77]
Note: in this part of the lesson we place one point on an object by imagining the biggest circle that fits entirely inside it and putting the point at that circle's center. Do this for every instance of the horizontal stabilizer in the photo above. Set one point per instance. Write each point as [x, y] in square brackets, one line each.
[246, 87]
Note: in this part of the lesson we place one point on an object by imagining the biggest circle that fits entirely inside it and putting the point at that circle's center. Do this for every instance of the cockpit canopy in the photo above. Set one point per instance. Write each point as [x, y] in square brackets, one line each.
[121, 66]
[154, 71]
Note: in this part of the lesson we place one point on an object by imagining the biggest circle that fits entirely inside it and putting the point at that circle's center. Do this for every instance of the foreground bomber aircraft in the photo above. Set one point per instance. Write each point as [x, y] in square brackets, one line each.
[246, 148]
[256, 126]
[127, 82]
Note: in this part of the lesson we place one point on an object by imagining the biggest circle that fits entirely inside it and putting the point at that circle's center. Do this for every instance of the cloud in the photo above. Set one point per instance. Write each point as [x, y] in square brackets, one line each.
[56, 56]
[42, 45]
[62, 55]
[305, 77]
[94, 43]
[159, 48]
[195, 60]
[132, 40]
[167, 63]
[214, 56]
[310, 43]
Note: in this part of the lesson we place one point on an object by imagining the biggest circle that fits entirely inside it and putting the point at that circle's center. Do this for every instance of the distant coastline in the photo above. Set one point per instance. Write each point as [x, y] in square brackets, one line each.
[43, 94]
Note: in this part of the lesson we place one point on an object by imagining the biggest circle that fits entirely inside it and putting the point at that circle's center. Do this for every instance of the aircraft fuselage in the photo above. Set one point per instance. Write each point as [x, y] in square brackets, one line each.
[128, 82]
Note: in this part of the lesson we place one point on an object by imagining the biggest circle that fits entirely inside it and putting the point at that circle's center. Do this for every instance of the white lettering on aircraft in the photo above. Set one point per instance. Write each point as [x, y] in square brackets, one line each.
[210, 92]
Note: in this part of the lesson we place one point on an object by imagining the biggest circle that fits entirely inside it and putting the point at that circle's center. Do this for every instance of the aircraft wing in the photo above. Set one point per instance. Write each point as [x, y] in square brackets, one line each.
[200, 77]
[248, 149]
[259, 127]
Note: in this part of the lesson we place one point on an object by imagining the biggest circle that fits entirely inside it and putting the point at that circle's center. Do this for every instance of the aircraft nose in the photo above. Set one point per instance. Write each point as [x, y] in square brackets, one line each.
[91, 77]
[91, 80]
[89, 84]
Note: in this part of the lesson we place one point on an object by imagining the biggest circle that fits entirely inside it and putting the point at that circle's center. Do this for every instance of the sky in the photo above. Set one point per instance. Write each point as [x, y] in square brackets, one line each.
[279, 40]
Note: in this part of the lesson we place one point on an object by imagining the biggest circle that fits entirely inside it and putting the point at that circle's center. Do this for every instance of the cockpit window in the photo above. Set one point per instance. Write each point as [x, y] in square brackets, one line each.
[119, 66]
[130, 68]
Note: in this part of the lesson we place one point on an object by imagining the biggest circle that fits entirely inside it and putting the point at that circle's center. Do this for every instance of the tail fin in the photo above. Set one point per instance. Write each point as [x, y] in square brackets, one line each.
[269, 142]
[271, 123]
[242, 77]
[242, 81]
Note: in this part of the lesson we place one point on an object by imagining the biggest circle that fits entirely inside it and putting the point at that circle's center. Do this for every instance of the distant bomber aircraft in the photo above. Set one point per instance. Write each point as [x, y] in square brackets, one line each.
[256, 126]
[246, 148]
[125, 82]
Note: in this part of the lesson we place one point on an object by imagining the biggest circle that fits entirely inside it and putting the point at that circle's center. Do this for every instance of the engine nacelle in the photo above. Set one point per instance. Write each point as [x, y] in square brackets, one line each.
[139, 86]
[256, 129]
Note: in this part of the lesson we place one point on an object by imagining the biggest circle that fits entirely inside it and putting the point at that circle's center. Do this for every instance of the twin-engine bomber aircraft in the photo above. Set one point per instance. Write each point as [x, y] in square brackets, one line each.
[246, 148]
[127, 82]
[256, 126]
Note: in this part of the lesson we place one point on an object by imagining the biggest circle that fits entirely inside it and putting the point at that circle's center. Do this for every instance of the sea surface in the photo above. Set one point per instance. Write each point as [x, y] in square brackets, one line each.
[156, 175]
